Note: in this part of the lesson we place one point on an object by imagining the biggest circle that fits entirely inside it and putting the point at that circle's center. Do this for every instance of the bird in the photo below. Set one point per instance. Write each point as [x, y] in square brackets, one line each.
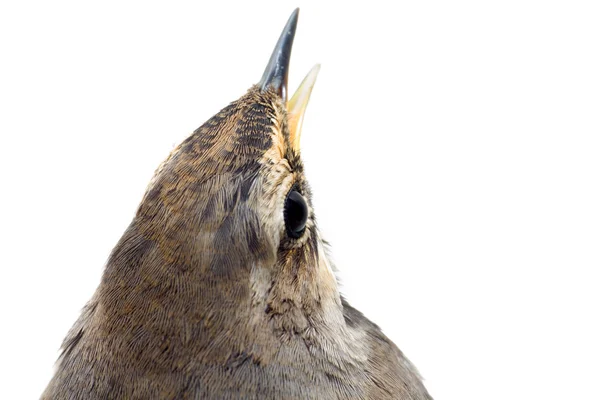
[222, 287]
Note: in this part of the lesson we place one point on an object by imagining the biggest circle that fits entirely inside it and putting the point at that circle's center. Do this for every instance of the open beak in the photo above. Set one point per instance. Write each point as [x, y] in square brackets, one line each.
[276, 77]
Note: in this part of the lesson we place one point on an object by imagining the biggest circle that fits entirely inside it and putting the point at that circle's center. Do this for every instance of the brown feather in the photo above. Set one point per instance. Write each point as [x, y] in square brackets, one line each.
[205, 296]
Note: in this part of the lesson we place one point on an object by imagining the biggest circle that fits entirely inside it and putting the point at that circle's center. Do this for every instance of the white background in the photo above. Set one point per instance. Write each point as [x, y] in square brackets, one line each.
[453, 149]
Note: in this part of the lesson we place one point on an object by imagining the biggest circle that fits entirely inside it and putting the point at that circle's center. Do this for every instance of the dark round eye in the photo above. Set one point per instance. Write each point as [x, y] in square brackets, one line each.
[295, 214]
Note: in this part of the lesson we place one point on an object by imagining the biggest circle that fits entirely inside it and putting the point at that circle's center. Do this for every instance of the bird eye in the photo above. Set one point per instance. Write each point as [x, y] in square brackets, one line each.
[295, 214]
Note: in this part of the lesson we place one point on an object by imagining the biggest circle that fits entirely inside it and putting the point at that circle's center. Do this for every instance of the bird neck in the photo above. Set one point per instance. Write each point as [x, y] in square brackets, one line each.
[254, 306]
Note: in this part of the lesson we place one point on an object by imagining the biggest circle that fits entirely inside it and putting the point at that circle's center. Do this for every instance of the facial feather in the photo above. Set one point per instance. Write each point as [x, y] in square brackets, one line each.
[209, 294]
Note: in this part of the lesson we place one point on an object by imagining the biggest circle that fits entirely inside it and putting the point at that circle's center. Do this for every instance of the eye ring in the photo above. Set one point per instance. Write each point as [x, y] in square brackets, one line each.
[295, 213]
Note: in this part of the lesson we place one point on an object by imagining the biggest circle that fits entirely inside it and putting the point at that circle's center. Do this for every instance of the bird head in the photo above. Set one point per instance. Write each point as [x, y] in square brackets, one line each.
[226, 229]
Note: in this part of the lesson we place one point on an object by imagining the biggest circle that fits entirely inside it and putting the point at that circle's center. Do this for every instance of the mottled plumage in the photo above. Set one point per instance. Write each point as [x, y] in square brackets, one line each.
[206, 295]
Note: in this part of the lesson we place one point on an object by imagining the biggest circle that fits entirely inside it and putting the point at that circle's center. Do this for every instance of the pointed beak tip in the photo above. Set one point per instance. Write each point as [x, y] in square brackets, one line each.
[314, 71]
[276, 72]
[302, 94]
[296, 107]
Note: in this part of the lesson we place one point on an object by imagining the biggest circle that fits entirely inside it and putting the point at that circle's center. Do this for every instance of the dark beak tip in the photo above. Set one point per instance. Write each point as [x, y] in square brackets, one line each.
[276, 73]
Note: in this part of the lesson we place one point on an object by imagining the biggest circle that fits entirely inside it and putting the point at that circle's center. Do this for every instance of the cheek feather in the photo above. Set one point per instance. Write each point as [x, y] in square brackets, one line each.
[269, 197]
